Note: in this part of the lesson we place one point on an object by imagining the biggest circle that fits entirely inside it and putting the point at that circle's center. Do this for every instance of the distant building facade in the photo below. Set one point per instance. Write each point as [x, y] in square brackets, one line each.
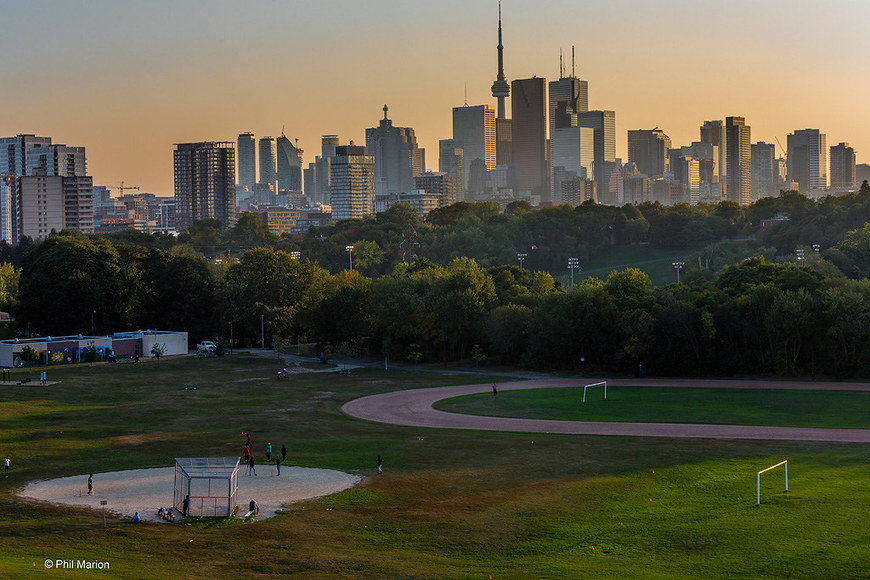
[474, 127]
[352, 176]
[843, 166]
[205, 182]
[738, 160]
[808, 160]
[397, 157]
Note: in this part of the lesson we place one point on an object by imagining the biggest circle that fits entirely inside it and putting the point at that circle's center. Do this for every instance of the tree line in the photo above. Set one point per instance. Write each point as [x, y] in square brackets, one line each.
[761, 315]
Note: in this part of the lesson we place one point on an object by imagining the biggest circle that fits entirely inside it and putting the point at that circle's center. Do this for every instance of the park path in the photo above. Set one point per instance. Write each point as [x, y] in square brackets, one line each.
[413, 408]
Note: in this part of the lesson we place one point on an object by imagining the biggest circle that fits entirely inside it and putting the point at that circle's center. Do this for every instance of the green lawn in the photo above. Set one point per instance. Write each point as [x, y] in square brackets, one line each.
[657, 263]
[450, 503]
[830, 409]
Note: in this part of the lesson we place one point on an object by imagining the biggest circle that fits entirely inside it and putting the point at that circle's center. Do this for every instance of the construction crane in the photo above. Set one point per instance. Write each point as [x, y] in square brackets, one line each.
[781, 148]
[122, 187]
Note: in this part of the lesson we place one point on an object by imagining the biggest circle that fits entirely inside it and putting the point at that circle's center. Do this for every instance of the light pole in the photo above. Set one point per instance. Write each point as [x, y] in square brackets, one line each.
[350, 255]
[800, 255]
[262, 332]
[93, 332]
[522, 257]
[231, 338]
[573, 263]
[296, 255]
[678, 265]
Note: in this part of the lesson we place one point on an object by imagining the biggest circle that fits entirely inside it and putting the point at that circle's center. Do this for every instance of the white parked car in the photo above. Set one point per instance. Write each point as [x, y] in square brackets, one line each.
[206, 346]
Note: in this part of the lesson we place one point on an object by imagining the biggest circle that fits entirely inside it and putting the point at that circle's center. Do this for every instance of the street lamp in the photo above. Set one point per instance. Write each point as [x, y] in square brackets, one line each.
[231, 337]
[522, 257]
[350, 255]
[93, 332]
[800, 254]
[678, 265]
[573, 263]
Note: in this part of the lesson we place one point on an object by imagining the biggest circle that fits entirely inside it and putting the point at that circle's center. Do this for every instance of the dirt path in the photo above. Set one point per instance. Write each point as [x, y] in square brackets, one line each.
[414, 408]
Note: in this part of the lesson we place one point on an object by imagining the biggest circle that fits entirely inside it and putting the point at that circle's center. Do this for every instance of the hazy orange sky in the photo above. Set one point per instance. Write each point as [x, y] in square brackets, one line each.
[127, 80]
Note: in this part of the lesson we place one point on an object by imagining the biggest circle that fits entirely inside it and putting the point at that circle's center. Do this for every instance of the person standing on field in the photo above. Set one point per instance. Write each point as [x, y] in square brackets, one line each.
[284, 453]
[268, 451]
[6, 466]
[380, 462]
[90, 484]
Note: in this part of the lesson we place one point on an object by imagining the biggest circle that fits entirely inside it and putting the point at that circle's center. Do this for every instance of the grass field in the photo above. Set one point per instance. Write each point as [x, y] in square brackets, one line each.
[449, 504]
[776, 407]
[657, 263]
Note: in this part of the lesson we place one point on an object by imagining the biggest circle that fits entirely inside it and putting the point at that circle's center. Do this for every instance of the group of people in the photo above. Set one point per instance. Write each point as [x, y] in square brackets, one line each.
[251, 463]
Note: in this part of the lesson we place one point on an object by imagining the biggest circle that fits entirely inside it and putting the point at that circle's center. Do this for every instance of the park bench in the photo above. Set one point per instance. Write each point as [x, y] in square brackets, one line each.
[189, 386]
[23, 381]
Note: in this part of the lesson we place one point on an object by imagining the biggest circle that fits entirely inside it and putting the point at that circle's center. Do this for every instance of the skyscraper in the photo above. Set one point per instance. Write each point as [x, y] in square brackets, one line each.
[738, 160]
[396, 153]
[529, 135]
[13, 152]
[268, 160]
[247, 161]
[808, 159]
[568, 97]
[843, 166]
[289, 165]
[713, 133]
[648, 150]
[352, 178]
[204, 182]
[764, 181]
[475, 128]
[451, 161]
[572, 157]
[604, 125]
[328, 143]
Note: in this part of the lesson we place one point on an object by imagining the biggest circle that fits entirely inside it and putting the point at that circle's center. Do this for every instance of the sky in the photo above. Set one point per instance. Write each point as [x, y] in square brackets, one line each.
[127, 80]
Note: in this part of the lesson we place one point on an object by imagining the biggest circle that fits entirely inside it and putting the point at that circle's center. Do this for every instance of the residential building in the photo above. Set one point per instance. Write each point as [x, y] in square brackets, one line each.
[764, 178]
[423, 202]
[352, 179]
[713, 133]
[247, 153]
[738, 160]
[288, 165]
[268, 160]
[438, 182]
[808, 160]
[843, 166]
[205, 182]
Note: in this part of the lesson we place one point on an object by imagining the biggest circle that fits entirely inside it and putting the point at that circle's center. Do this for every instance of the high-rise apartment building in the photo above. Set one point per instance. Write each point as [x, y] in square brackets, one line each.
[843, 166]
[205, 182]
[288, 165]
[529, 135]
[475, 128]
[56, 160]
[738, 160]
[604, 125]
[648, 150]
[268, 160]
[397, 157]
[247, 153]
[328, 143]
[13, 152]
[352, 182]
[451, 160]
[764, 179]
[808, 159]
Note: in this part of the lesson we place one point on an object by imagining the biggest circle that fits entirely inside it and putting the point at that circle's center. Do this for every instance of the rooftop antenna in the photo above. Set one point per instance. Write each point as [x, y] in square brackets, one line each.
[466, 93]
[572, 62]
[561, 65]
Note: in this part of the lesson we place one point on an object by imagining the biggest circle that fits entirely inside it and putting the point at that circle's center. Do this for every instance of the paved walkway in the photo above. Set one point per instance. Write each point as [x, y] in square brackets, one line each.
[414, 408]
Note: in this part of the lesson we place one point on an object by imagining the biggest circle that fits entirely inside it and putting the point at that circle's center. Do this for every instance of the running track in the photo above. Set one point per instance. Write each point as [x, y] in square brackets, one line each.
[414, 408]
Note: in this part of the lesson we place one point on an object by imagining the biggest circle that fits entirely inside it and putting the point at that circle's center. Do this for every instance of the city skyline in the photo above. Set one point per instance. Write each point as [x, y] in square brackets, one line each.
[128, 83]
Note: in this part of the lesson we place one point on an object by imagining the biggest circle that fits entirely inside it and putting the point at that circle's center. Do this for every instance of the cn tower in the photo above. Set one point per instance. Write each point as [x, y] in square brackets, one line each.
[500, 88]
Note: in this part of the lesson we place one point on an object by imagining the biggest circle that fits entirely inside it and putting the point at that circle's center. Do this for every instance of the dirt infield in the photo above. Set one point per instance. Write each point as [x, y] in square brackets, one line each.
[146, 490]
[414, 408]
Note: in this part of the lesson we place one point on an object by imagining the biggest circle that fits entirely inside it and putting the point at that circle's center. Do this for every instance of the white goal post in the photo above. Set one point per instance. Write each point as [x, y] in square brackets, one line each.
[758, 479]
[604, 383]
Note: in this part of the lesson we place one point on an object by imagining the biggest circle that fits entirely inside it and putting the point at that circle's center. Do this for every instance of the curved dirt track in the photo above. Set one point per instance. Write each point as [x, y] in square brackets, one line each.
[414, 408]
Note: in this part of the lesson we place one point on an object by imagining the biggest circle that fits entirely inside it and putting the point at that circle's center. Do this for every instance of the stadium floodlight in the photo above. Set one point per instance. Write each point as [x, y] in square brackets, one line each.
[602, 383]
[758, 479]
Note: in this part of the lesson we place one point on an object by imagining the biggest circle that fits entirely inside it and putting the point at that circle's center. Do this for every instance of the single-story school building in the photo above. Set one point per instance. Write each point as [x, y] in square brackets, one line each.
[71, 349]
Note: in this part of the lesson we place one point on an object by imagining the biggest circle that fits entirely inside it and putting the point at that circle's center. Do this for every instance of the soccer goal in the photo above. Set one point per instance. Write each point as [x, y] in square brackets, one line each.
[210, 483]
[758, 479]
[601, 384]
